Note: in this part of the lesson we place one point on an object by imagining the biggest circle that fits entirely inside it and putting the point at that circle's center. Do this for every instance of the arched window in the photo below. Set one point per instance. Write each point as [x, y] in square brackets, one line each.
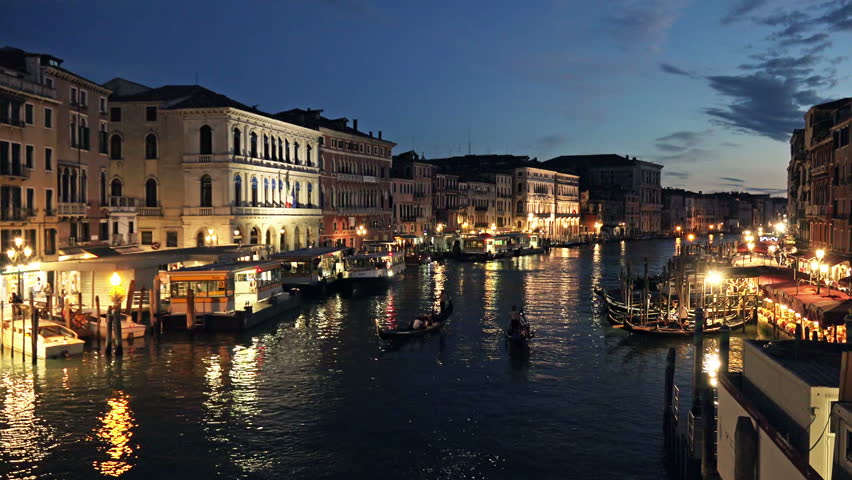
[280, 150]
[151, 193]
[310, 194]
[238, 191]
[115, 147]
[296, 152]
[308, 160]
[199, 239]
[73, 184]
[103, 189]
[265, 191]
[151, 146]
[205, 140]
[274, 148]
[237, 142]
[254, 191]
[287, 150]
[254, 236]
[281, 198]
[115, 188]
[206, 191]
[296, 190]
[84, 191]
[265, 146]
[253, 145]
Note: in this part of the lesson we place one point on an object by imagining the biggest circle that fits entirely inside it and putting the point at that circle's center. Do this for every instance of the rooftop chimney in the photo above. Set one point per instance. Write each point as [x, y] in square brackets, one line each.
[371, 134]
[380, 134]
[355, 124]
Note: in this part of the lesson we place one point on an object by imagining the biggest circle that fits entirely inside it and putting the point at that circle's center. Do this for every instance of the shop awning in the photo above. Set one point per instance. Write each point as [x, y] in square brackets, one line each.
[825, 308]
[78, 253]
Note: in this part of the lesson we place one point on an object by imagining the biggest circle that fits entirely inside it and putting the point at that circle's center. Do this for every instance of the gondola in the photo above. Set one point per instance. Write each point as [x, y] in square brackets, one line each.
[438, 321]
[662, 329]
[520, 340]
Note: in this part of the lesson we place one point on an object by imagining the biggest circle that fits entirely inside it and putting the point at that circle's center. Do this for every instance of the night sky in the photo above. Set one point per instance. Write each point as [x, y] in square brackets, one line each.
[711, 90]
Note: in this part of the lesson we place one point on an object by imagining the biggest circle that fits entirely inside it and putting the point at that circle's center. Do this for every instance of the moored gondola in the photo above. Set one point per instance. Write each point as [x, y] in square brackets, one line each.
[438, 321]
[670, 329]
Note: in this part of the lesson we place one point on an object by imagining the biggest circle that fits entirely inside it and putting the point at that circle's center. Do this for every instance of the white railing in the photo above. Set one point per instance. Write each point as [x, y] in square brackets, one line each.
[72, 208]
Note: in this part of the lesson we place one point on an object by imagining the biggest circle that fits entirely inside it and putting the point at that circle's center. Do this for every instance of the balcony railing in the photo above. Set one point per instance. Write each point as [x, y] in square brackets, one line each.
[19, 83]
[15, 171]
[67, 208]
[15, 214]
[231, 158]
[149, 211]
[119, 239]
[122, 204]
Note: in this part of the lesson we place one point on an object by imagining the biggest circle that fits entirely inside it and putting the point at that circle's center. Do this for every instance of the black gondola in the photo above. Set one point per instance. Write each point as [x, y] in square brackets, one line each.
[438, 321]
[663, 329]
[520, 339]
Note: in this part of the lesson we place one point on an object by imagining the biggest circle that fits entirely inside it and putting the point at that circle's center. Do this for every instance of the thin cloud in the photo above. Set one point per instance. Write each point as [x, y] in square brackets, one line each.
[669, 68]
[677, 174]
[644, 23]
[549, 142]
[732, 179]
[742, 8]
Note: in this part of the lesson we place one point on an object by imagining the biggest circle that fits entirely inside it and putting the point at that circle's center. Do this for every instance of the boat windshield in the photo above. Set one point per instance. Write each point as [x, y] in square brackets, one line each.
[54, 331]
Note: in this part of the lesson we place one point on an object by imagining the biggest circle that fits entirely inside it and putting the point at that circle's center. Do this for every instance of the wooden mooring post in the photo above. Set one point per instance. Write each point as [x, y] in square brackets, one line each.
[98, 320]
[34, 326]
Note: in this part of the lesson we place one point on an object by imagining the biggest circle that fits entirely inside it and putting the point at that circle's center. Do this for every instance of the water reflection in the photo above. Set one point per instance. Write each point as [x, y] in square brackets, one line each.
[24, 436]
[115, 433]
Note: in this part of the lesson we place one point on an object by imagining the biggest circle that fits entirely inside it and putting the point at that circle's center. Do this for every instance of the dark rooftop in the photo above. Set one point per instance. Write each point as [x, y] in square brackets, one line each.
[816, 363]
[313, 119]
[575, 163]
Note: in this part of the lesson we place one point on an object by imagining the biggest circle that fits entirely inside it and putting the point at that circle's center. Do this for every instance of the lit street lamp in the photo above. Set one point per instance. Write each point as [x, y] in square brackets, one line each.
[238, 237]
[211, 238]
[19, 254]
[361, 231]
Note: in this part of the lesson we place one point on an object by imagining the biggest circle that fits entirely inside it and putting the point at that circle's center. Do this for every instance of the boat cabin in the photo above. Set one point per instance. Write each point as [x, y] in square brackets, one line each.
[375, 265]
[379, 246]
[485, 244]
[223, 287]
[311, 266]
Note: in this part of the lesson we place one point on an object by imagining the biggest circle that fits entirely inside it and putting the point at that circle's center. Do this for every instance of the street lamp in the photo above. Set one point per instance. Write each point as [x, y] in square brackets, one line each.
[713, 278]
[360, 231]
[211, 237]
[238, 237]
[19, 254]
[117, 292]
[823, 275]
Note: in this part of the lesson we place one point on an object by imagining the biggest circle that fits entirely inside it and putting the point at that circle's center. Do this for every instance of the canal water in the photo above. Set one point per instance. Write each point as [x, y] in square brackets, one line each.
[318, 395]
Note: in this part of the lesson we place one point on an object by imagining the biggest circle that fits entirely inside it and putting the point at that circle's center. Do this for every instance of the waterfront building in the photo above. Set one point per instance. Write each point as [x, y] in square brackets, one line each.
[52, 166]
[774, 417]
[409, 166]
[481, 210]
[547, 202]
[637, 182]
[204, 169]
[446, 201]
[355, 172]
[404, 208]
[798, 188]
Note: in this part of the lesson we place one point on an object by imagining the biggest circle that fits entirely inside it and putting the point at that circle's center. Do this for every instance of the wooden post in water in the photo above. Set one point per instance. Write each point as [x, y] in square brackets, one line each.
[97, 302]
[119, 341]
[130, 291]
[190, 309]
[34, 323]
[80, 302]
[645, 294]
[155, 303]
[109, 329]
[2, 328]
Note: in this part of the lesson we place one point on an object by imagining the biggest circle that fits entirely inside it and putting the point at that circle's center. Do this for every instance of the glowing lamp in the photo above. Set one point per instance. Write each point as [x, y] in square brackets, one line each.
[820, 254]
[11, 254]
[115, 280]
[19, 241]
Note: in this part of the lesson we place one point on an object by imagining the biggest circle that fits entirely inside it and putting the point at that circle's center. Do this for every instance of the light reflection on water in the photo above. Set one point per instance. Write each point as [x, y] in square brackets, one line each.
[115, 435]
[319, 395]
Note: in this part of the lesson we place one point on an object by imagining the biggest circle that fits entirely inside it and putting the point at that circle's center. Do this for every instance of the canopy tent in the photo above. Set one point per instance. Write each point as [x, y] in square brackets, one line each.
[828, 310]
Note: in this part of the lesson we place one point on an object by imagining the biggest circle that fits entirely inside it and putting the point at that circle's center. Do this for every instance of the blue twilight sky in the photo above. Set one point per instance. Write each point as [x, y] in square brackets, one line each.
[709, 89]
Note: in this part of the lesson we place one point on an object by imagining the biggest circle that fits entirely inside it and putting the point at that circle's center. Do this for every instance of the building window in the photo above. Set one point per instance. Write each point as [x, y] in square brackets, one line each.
[237, 142]
[151, 193]
[148, 237]
[50, 241]
[30, 154]
[266, 147]
[115, 147]
[83, 100]
[48, 82]
[48, 159]
[48, 118]
[28, 114]
[84, 190]
[102, 105]
[103, 142]
[238, 190]
[205, 140]
[150, 114]
[254, 192]
[115, 114]
[206, 191]
[171, 239]
[151, 146]
[73, 96]
[253, 145]
[115, 188]
[103, 189]
[48, 201]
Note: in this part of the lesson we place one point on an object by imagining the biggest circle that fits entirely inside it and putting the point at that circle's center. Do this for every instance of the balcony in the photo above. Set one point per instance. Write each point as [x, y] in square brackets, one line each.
[15, 214]
[119, 239]
[72, 208]
[250, 211]
[247, 160]
[122, 205]
[22, 84]
[149, 211]
[14, 172]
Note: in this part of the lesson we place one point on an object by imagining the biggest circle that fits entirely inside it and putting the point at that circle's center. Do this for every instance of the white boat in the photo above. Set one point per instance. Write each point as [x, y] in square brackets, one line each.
[54, 339]
[129, 328]
[375, 266]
